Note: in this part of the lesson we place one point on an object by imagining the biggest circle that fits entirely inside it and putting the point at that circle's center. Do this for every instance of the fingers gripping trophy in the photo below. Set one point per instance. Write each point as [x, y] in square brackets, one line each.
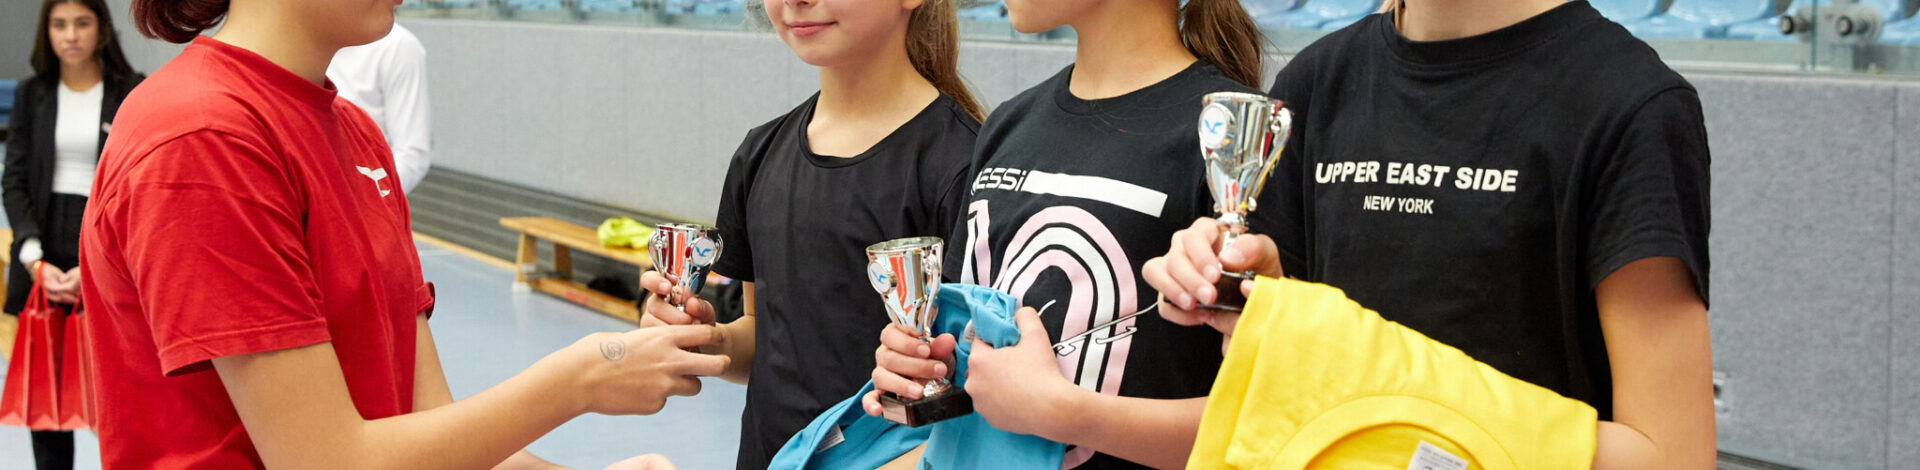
[1241, 137]
[685, 253]
[906, 272]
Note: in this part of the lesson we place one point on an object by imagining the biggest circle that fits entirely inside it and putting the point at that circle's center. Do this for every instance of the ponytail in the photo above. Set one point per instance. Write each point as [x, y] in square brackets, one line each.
[1221, 32]
[933, 46]
[177, 21]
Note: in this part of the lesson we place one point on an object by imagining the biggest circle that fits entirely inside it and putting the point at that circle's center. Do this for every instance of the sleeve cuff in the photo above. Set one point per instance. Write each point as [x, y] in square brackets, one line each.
[428, 299]
[193, 354]
[30, 252]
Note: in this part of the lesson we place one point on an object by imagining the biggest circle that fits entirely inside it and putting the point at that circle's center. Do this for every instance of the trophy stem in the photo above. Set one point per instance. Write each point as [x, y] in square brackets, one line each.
[1227, 296]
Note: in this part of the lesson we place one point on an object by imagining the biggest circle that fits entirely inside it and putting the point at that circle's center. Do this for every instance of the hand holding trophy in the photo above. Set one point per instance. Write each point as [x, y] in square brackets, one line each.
[1241, 137]
[906, 272]
[685, 253]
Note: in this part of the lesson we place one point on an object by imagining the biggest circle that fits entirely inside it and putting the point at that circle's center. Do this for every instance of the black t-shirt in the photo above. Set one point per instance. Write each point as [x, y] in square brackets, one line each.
[1478, 189]
[797, 224]
[1070, 198]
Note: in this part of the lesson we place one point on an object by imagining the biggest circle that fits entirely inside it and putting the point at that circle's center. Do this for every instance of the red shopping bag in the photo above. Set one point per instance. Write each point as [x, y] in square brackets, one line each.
[78, 328]
[71, 406]
[31, 395]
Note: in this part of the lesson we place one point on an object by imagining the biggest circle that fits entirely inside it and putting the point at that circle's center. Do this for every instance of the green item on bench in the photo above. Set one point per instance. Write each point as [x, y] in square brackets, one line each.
[624, 232]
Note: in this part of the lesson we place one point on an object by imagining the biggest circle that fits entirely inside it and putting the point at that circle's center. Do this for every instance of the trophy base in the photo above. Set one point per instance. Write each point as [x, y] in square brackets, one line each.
[926, 410]
[1228, 297]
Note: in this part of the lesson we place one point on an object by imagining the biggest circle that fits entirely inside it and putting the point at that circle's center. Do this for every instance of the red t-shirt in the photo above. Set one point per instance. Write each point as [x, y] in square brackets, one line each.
[238, 209]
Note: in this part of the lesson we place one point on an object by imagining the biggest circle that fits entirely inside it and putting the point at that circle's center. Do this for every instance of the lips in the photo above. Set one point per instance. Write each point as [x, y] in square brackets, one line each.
[802, 29]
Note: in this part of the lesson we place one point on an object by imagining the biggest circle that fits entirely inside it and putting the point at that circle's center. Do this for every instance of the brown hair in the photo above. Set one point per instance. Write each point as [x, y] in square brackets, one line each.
[933, 46]
[113, 62]
[177, 21]
[1221, 32]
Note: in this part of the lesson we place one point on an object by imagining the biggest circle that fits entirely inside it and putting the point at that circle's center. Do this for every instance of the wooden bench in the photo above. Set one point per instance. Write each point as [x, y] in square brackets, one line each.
[565, 238]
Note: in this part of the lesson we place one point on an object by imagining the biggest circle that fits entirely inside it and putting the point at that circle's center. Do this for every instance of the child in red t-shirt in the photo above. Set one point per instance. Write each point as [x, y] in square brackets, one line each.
[250, 271]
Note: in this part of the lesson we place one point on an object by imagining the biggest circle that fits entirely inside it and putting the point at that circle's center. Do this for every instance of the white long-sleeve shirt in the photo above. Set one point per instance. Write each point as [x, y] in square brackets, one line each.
[388, 79]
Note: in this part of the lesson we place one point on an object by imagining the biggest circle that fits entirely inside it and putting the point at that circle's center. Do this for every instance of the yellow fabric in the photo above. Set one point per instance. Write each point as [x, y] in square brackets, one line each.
[622, 232]
[1314, 380]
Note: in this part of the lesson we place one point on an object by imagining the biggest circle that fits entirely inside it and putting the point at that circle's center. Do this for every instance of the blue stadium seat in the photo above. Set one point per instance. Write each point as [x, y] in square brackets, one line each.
[1622, 11]
[1905, 29]
[1900, 26]
[1271, 14]
[608, 5]
[1700, 19]
[1315, 14]
[1768, 29]
[533, 4]
[717, 7]
[702, 7]
[6, 100]
[993, 12]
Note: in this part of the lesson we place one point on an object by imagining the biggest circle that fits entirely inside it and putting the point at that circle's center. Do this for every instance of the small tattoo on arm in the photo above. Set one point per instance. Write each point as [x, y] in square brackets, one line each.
[613, 350]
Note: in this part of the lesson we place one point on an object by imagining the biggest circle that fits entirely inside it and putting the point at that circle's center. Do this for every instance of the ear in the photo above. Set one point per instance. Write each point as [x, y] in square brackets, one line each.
[910, 5]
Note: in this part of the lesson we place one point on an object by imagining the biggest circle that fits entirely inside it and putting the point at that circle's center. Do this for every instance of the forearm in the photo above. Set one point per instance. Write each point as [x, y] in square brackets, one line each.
[737, 345]
[299, 414]
[1156, 433]
[493, 425]
[430, 391]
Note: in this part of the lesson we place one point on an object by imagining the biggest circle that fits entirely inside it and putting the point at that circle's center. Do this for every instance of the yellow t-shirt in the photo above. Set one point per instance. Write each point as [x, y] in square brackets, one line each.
[1314, 380]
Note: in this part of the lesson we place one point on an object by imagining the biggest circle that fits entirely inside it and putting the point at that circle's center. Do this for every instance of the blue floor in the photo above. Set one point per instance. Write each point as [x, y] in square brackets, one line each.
[486, 333]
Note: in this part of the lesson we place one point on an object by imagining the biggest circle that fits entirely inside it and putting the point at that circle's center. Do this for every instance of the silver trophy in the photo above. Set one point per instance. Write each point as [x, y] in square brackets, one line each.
[1241, 137]
[686, 253]
[906, 272]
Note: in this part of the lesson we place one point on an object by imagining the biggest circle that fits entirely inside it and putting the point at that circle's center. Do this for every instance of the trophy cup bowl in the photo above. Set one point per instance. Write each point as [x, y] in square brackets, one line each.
[685, 252]
[1241, 137]
[906, 273]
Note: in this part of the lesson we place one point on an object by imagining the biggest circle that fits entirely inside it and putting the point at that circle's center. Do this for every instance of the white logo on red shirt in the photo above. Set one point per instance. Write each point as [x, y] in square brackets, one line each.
[376, 174]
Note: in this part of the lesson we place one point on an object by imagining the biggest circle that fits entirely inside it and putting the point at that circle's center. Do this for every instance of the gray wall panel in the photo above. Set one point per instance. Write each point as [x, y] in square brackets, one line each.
[145, 54]
[1903, 426]
[19, 20]
[1801, 211]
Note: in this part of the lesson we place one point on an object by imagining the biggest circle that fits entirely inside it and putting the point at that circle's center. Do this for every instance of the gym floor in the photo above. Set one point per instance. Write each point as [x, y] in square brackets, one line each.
[486, 332]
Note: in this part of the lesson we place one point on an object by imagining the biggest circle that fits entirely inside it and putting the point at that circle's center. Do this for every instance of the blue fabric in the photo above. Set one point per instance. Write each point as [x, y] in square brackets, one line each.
[966, 442]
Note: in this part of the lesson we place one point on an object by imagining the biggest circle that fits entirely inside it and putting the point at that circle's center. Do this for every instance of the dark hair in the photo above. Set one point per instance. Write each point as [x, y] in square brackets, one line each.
[933, 46]
[113, 62]
[1222, 33]
[177, 21]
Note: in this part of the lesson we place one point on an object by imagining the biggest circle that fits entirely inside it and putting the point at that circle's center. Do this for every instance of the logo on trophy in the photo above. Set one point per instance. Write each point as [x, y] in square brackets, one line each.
[686, 253]
[1241, 137]
[906, 273]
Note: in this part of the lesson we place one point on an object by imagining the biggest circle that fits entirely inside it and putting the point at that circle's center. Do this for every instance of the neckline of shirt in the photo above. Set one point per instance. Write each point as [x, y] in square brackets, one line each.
[93, 90]
[1488, 47]
[1063, 95]
[830, 161]
[273, 75]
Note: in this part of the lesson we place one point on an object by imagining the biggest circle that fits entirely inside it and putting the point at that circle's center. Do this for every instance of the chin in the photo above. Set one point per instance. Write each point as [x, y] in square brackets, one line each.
[1032, 27]
[373, 33]
[816, 59]
[814, 54]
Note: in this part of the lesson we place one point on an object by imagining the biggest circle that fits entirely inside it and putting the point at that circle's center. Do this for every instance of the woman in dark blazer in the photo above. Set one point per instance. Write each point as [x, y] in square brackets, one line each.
[60, 121]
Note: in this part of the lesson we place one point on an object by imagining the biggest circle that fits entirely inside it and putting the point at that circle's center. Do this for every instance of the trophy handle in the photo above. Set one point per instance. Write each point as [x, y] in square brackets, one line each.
[1281, 126]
